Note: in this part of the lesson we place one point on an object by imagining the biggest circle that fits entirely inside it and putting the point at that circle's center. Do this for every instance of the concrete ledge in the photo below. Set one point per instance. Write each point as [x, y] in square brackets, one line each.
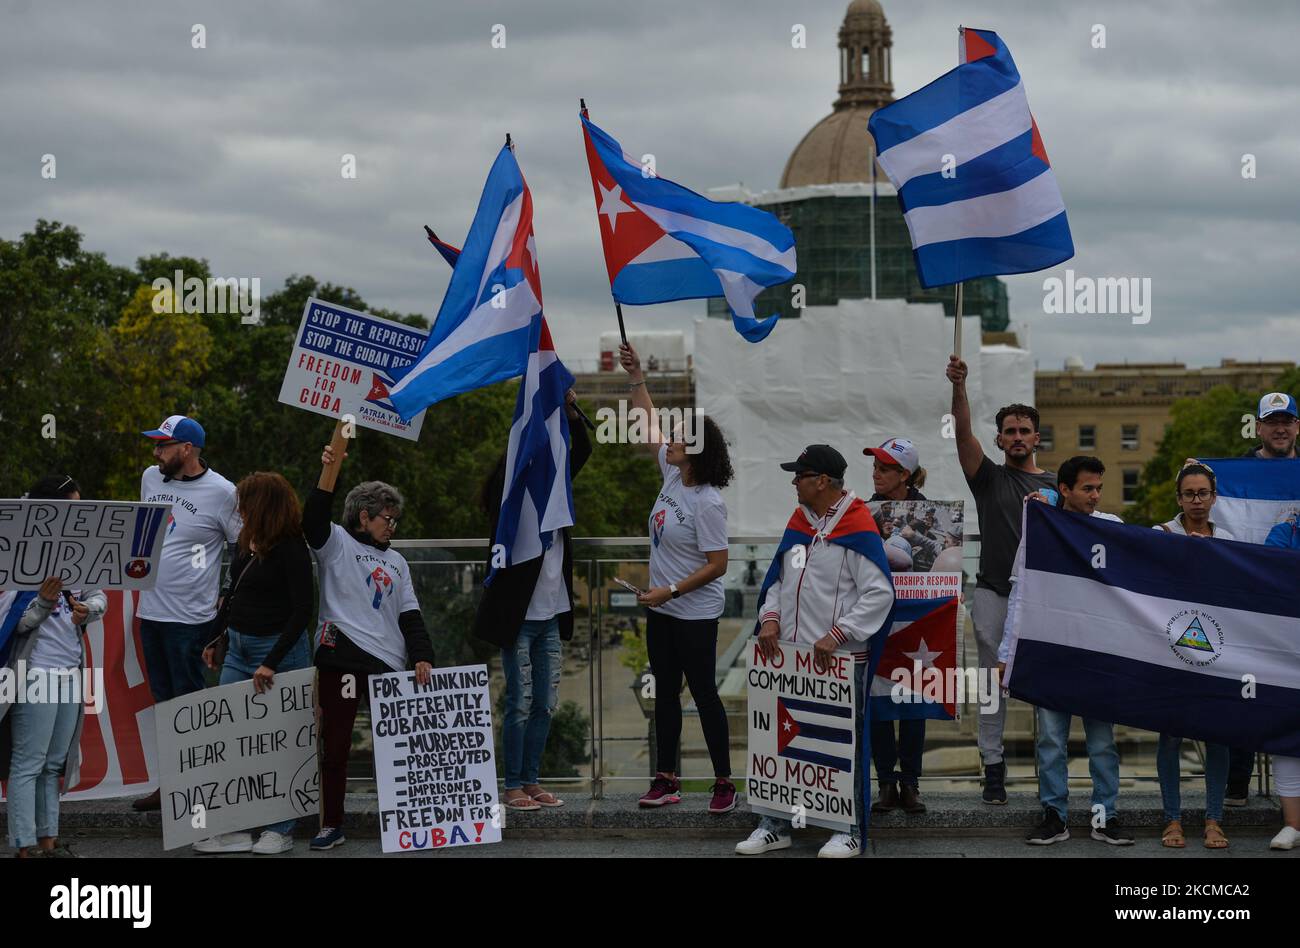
[618, 814]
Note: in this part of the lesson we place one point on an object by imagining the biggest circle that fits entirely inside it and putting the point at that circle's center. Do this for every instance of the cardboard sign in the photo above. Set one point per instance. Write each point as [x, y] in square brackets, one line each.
[231, 759]
[89, 544]
[802, 738]
[343, 362]
[435, 767]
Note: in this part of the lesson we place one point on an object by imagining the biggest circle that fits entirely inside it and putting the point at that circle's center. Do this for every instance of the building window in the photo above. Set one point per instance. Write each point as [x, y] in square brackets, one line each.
[1130, 485]
[866, 64]
[1087, 437]
[1045, 442]
[1129, 437]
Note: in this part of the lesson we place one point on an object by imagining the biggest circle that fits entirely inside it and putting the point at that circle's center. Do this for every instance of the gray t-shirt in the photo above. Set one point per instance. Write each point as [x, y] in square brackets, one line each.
[1000, 492]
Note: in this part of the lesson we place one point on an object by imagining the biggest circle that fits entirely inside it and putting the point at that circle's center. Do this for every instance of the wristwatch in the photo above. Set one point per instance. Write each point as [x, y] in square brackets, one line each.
[672, 588]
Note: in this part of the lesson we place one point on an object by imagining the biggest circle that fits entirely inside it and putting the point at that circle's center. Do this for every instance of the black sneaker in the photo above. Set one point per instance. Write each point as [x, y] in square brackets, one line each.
[1051, 830]
[995, 777]
[1111, 833]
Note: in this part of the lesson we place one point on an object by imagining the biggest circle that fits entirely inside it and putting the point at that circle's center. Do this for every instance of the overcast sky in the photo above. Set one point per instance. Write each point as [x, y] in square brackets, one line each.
[233, 152]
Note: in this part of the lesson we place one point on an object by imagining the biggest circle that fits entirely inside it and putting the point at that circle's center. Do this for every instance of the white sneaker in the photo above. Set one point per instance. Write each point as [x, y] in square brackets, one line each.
[225, 843]
[762, 841]
[1285, 839]
[272, 843]
[839, 846]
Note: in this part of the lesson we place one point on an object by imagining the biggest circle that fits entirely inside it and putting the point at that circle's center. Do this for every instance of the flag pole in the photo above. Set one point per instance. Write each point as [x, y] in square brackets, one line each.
[618, 307]
[873, 222]
[956, 331]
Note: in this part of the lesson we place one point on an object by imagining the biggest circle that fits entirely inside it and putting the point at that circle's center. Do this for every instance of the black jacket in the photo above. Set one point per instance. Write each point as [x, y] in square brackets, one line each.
[345, 655]
[504, 604]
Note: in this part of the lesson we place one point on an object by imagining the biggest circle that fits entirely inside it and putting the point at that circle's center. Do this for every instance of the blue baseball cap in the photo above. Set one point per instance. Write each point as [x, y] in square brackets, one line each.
[1277, 403]
[178, 428]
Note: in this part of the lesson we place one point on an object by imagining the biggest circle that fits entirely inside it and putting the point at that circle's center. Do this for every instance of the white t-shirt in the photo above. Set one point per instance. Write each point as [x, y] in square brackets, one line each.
[204, 513]
[58, 641]
[550, 595]
[686, 523]
[363, 590]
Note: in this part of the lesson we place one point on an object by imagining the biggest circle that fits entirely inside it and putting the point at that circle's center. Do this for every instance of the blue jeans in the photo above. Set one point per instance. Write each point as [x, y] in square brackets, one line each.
[42, 738]
[1216, 777]
[245, 655]
[1053, 761]
[532, 670]
[173, 657]
[905, 751]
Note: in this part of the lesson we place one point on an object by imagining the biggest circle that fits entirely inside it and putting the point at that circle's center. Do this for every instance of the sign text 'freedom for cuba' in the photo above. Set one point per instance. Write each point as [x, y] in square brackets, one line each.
[92, 544]
[343, 361]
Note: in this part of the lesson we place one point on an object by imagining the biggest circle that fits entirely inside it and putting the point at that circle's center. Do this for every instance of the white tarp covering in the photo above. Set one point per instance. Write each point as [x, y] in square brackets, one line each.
[851, 376]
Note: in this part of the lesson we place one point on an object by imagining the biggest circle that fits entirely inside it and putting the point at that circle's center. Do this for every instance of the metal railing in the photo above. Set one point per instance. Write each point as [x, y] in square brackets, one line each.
[448, 575]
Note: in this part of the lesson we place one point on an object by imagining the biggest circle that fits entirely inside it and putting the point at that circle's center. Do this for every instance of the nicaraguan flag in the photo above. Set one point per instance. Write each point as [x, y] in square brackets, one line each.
[972, 175]
[664, 242]
[1254, 494]
[814, 732]
[1188, 636]
[493, 303]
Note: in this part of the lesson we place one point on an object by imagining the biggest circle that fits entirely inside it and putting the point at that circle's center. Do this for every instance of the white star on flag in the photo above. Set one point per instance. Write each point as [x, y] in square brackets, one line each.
[786, 725]
[611, 205]
[923, 655]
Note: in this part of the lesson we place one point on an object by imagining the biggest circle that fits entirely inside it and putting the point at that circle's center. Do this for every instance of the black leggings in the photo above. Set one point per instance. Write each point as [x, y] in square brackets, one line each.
[690, 647]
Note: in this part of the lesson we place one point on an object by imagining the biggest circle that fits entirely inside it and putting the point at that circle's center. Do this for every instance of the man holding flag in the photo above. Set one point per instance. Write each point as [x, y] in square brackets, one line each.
[664, 242]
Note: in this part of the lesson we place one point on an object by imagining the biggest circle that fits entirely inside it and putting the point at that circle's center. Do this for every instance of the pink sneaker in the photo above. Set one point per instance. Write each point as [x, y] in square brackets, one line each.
[724, 796]
[662, 790]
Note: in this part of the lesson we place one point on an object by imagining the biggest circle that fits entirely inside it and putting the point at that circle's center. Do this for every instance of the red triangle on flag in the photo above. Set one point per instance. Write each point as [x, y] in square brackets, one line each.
[977, 47]
[378, 389]
[625, 230]
[787, 728]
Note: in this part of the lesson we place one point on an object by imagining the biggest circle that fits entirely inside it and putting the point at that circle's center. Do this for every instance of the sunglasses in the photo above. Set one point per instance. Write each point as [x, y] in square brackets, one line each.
[802, 474]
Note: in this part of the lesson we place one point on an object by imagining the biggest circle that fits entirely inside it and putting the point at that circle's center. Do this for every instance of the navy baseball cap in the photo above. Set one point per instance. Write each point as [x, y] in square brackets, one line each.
[821, 458]
[178, 428]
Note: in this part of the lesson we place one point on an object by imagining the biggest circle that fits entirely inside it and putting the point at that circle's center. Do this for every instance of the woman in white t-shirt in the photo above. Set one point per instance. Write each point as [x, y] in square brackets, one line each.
[688, 558]
[45, 648]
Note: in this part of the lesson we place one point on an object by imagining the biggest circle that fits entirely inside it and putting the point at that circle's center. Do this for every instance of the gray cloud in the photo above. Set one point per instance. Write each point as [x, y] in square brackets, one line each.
[232, 152]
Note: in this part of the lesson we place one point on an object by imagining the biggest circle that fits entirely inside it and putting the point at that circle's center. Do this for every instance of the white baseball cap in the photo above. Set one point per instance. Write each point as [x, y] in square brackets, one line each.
[898, 451]
[1277, 403]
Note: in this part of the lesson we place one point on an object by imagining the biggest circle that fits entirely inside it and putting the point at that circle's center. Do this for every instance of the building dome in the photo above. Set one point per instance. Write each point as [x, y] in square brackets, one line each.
[838, 148]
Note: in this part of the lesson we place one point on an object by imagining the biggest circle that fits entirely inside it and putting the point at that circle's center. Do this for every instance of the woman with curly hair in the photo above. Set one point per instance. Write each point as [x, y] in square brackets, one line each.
[688, 558]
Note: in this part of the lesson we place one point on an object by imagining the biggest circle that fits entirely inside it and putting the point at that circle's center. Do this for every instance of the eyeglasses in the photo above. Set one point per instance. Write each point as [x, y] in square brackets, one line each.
[1201, 494]
[392, 521]
[802, 474]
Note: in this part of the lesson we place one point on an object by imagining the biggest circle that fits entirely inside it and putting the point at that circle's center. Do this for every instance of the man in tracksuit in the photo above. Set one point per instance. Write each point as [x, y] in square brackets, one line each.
[829, 587]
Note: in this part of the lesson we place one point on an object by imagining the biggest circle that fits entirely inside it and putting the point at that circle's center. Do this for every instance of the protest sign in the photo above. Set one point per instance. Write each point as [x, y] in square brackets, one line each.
[435, 769]
[89, 544]
[115, 759]
[920, 670]
[802, 739]
[343, 362]
[230, 759]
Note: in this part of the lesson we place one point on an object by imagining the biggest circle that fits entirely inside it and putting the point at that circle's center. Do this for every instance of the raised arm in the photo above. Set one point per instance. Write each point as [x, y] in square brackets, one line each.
[969, 452]
[641, 401]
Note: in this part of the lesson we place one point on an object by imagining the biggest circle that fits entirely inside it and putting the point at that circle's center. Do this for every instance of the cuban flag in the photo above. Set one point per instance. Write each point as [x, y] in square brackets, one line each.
[1158, 631]
[13, 603]
[538, 497]
[493, 303]
[964, 153]
[922, 635]
[449, 252]
[664, 242]
[1254, 494]
[814, 732]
